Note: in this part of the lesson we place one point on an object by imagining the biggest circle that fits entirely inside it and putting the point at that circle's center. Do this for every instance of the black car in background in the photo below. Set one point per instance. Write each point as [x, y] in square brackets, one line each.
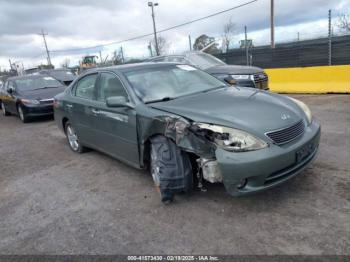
[247, 76]
[29, 96]
[65, 76]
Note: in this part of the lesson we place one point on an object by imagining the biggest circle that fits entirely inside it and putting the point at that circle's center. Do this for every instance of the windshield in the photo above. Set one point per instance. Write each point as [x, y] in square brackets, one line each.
[169, 82]
[27, 84]
[62, 74]
[204, 61]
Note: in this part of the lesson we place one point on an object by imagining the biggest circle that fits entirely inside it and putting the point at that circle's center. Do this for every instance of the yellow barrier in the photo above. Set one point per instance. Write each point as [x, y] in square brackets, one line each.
[318, 79]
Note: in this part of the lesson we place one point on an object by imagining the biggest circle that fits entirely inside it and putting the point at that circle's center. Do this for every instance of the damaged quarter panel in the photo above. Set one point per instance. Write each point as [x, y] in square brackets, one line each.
[156, 122]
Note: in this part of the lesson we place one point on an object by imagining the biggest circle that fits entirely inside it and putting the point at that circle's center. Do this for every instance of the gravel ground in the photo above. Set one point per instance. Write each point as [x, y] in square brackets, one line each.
[53, 201]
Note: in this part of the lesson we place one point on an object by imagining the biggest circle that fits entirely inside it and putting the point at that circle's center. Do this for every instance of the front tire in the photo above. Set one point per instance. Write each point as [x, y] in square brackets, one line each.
[72, 139]
[22, 115]
[3, 109]
[170, 168]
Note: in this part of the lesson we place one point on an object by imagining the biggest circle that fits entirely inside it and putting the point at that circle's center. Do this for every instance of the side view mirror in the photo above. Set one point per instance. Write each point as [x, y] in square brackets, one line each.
[118, 101]
[229, 79]
[10, 90]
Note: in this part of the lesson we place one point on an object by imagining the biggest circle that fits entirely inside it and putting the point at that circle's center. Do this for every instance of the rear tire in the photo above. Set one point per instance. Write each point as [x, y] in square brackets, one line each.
[24, 118]
[73, 140]
[3, 109]
[170, 168]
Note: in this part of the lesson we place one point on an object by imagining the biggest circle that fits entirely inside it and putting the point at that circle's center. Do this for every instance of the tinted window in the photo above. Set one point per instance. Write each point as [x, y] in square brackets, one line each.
[159, 59]
[177, 59]
[110, 86]
[204, 60]
[85, 87]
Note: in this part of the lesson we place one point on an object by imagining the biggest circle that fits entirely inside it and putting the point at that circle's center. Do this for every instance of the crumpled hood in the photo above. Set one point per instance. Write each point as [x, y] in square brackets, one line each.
[247, 109]
[234, 70]
[47, 93]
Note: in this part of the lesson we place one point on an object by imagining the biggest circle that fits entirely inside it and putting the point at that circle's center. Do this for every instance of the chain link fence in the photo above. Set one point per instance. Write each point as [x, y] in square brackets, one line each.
[294, 54]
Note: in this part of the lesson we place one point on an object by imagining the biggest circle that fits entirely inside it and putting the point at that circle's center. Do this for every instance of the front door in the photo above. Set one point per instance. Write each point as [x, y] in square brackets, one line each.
[81, 109]
[9, 98]
[116, 127]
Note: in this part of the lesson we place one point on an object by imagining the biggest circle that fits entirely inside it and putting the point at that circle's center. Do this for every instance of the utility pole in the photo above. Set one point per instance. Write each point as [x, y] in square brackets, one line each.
[150, 49]
[298, 37]
[272, 20]
[190, 42]
[246, 44]
[10, 64]
[47, 50]
[122, 53]
[151, 4]
[100, 57]
[329, 37]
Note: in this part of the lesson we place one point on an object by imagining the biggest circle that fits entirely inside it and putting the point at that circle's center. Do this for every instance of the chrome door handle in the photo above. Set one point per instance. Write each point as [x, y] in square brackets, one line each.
[69, 105]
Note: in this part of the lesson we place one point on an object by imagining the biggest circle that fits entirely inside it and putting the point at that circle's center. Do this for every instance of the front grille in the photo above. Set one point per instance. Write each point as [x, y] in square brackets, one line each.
[260, 77]
[46, 101]
[288, 134]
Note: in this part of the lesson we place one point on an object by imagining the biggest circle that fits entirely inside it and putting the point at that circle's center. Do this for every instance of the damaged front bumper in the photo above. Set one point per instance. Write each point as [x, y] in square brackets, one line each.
[269, 167]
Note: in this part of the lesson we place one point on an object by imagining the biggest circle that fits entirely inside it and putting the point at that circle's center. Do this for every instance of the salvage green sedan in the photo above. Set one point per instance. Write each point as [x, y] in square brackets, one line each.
[188, 128]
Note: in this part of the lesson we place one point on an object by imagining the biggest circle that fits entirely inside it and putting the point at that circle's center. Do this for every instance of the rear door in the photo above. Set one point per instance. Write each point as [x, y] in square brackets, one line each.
[81, 108]
[116, 127]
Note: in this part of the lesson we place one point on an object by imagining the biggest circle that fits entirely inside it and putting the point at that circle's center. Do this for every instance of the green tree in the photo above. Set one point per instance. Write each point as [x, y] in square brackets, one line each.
[203, 41]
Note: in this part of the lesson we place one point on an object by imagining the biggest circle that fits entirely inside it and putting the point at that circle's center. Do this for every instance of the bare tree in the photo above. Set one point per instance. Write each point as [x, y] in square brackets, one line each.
[344, 22]
[117, 58]
[163, 45]
[65, 63]
[229, 31]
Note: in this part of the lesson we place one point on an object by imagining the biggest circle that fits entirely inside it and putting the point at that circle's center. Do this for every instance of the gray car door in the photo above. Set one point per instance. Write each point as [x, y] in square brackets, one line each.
[81, 110]
[116, 127]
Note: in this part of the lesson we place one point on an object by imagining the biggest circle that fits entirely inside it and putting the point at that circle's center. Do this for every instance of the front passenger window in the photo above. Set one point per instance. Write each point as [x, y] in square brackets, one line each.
[10, 85]
[85, 87]
[110, 85]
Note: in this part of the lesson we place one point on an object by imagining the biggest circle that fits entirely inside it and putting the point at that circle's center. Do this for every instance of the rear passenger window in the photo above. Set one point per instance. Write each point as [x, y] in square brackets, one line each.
[177, 59]
[85, 87]
[110, 85]
[159, 59]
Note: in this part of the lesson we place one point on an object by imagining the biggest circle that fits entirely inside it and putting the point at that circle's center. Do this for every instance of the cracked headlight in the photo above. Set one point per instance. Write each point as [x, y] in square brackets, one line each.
[231, 139]
[305, 108]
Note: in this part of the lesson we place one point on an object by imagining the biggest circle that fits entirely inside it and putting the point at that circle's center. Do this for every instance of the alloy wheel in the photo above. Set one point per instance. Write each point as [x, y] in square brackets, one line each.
[20, 112]
[3, 108]
[72, 138]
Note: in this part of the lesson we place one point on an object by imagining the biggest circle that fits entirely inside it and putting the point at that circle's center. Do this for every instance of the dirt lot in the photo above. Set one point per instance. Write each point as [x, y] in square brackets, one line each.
[53, 201]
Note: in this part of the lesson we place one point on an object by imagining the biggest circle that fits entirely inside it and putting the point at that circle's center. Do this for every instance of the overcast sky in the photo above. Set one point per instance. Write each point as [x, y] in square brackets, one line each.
[84, 23]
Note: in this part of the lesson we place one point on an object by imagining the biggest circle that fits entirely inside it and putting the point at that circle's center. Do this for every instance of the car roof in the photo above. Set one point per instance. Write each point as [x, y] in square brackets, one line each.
[131, 67]
[32, 76]
[184, 54]
[54, 70]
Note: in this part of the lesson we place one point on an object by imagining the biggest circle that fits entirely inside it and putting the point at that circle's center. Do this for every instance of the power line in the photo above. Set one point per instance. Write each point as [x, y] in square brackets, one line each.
[160, 31]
